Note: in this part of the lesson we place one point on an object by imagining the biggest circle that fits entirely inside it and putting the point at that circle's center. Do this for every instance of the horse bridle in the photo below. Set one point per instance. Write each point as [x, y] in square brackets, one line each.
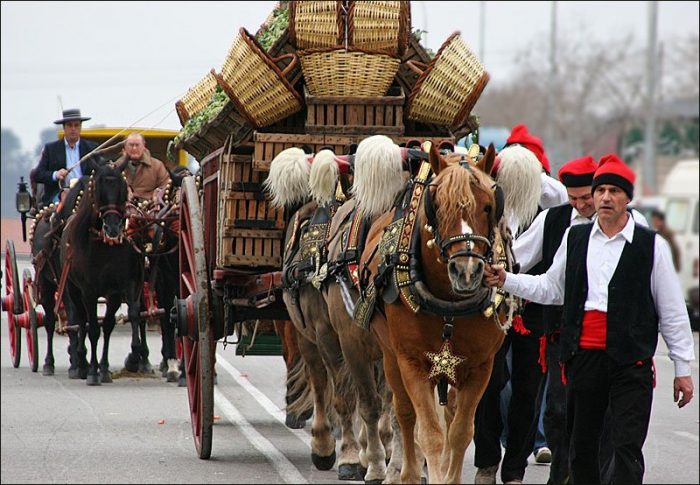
[469, 238]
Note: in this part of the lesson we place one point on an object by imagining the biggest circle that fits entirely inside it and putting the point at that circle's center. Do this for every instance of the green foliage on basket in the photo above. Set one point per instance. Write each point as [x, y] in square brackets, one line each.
[271, 30]
[418, 34]
[216, 104]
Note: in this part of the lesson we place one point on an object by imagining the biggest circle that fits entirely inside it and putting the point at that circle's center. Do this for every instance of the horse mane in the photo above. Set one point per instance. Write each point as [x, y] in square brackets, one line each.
[455, 194]
[378, 178]
[519, 176]
[323, 177]
[79, 223]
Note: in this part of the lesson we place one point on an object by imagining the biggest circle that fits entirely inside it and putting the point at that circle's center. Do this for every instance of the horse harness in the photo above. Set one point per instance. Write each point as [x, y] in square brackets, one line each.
[399, 273]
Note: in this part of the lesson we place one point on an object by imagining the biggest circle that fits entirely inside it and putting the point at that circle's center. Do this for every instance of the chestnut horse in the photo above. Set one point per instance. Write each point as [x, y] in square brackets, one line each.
[443, 337]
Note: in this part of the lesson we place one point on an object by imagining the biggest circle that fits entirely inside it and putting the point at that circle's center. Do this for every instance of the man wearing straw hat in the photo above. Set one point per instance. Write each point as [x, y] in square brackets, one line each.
[59, 159]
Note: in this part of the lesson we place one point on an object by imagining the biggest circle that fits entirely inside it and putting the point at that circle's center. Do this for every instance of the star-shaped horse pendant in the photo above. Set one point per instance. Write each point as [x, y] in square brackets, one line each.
[444, 363]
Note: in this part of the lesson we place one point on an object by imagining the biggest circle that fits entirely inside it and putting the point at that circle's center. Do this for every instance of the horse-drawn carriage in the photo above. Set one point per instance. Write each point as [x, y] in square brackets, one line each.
[46, 284]
[329, 77]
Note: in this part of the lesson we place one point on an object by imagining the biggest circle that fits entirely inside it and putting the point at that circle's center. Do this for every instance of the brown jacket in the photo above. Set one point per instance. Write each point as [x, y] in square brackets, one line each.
[149, 175]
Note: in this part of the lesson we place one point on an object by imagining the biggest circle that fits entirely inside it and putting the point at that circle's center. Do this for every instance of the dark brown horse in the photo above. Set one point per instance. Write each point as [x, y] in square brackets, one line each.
[434, 330]
[100, 261]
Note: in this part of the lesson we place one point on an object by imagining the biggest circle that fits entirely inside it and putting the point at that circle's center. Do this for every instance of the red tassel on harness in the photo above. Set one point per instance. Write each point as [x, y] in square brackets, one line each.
[564, 380]
[542, 360]
[519, 326]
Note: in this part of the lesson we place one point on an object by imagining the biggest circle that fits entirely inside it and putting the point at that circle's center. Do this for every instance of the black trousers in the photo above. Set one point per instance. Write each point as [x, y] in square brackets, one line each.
[554, 420]
[523, 413]
[595, 382]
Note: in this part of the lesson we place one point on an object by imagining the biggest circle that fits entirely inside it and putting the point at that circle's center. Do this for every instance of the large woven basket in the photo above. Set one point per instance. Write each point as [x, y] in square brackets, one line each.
[379, 25]
[316, 23]
[448, 87]
[338, 71]
[196, 99]
[255, 84]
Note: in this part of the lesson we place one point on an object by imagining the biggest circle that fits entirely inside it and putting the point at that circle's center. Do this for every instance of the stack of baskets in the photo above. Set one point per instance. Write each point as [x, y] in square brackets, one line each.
[448, 87]
[255, 84]
[349, 50]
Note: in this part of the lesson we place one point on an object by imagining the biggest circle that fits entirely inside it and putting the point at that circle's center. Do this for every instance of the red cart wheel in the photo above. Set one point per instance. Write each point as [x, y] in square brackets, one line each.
[30, 311]
[12, 302]
[198, 342]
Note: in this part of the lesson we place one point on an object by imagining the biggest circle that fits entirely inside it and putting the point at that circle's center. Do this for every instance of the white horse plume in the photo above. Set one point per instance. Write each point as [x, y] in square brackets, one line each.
[288, 181]
[377, 176]
[519, 176]
[323, 177]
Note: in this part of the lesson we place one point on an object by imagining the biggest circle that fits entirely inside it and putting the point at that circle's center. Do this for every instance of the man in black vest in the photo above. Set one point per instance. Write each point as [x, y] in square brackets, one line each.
[59, 159]
[619, 289]
[534, 250]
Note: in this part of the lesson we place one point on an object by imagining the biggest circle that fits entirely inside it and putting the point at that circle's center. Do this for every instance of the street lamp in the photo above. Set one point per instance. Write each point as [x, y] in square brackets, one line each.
[23, 203]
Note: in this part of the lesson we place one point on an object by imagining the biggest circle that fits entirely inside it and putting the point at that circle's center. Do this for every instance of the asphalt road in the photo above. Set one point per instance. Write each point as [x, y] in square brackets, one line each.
[137, 430]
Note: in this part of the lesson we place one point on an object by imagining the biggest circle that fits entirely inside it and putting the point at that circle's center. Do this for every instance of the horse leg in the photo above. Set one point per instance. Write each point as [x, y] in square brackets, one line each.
[430, 435]
[165, 292]
[393, 468]
[76, 315]
[48, 300]
[322, 440]
[461, 429]
[93, 375]
[406, 418]
[113, 303]
[144, 364]
[370, 403]
[299, 400]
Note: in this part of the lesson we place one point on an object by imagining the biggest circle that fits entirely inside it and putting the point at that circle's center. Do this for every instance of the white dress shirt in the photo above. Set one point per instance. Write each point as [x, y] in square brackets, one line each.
[553, 192]
[603, 257]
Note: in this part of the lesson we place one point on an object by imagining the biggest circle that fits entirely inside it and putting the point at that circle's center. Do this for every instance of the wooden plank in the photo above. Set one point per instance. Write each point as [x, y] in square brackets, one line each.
[356, 130]
[253, 261]
[369, 111]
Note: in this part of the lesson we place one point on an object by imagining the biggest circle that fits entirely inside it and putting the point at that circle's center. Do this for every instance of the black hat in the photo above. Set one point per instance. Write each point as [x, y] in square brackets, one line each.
[71, 115]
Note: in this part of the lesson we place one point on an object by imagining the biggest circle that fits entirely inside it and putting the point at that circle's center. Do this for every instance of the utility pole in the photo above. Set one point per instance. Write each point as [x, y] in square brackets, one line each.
[482, 30]
[551, 99]
[650, 115]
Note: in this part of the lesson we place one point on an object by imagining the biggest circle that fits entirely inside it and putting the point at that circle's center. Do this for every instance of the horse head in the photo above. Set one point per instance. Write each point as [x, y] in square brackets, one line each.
[458, 221]
[110, 197]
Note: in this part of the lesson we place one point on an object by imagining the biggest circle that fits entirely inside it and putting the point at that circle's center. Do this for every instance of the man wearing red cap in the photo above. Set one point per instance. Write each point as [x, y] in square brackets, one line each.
[619, 289]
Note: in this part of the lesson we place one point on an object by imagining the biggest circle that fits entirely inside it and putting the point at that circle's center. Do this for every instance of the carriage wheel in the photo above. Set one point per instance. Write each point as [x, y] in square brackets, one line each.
[198, 342]
[12, 303]
[30, 310]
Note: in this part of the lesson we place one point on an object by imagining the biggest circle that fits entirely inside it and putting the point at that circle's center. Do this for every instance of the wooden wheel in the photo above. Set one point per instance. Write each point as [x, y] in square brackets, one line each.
[12, 302]
[33, 321]
[198, 339]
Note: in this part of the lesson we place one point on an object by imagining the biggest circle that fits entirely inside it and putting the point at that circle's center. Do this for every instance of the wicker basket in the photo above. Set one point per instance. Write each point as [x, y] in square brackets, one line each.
[379, 25]
[316, 23]
[196, 99]
[448, 87]
[338, 71]
[255, 83]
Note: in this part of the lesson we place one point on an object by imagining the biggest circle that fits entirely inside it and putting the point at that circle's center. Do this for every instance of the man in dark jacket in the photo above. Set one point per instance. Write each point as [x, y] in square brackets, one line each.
[59, 159]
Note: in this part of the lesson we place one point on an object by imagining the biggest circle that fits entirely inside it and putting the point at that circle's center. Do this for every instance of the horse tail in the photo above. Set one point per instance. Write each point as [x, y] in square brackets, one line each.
[300, 400]
[519, 176]
[323, 177]
[377, 176]
[288, 180]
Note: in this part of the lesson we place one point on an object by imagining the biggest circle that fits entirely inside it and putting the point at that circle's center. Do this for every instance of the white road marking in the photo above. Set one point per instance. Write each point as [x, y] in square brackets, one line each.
[271, 408]
[685, 434]
[284, 468]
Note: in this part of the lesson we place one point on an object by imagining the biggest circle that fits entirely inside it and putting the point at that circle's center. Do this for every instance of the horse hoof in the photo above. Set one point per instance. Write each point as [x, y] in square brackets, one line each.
[348, 471]
[323, 462]
[93, 380]
[306, 415]
[83, 372]
[131, 364]
[361, 472]
[73, 373]
[106, 376]
[145, 368]
[182, 382]
[376, 481]
[293, 422]
[163, 367]
[48, 370]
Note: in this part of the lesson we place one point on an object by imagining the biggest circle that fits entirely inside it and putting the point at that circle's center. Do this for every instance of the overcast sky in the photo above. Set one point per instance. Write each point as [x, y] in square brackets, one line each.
[126, 63]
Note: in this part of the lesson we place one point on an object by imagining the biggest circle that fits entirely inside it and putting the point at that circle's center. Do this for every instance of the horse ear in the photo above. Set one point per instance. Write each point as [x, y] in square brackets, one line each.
[437, 162]
[121, 164]
[486, 162]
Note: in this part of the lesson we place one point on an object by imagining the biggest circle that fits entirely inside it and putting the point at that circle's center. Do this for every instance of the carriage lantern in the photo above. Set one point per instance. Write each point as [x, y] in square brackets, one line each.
[23, 202]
